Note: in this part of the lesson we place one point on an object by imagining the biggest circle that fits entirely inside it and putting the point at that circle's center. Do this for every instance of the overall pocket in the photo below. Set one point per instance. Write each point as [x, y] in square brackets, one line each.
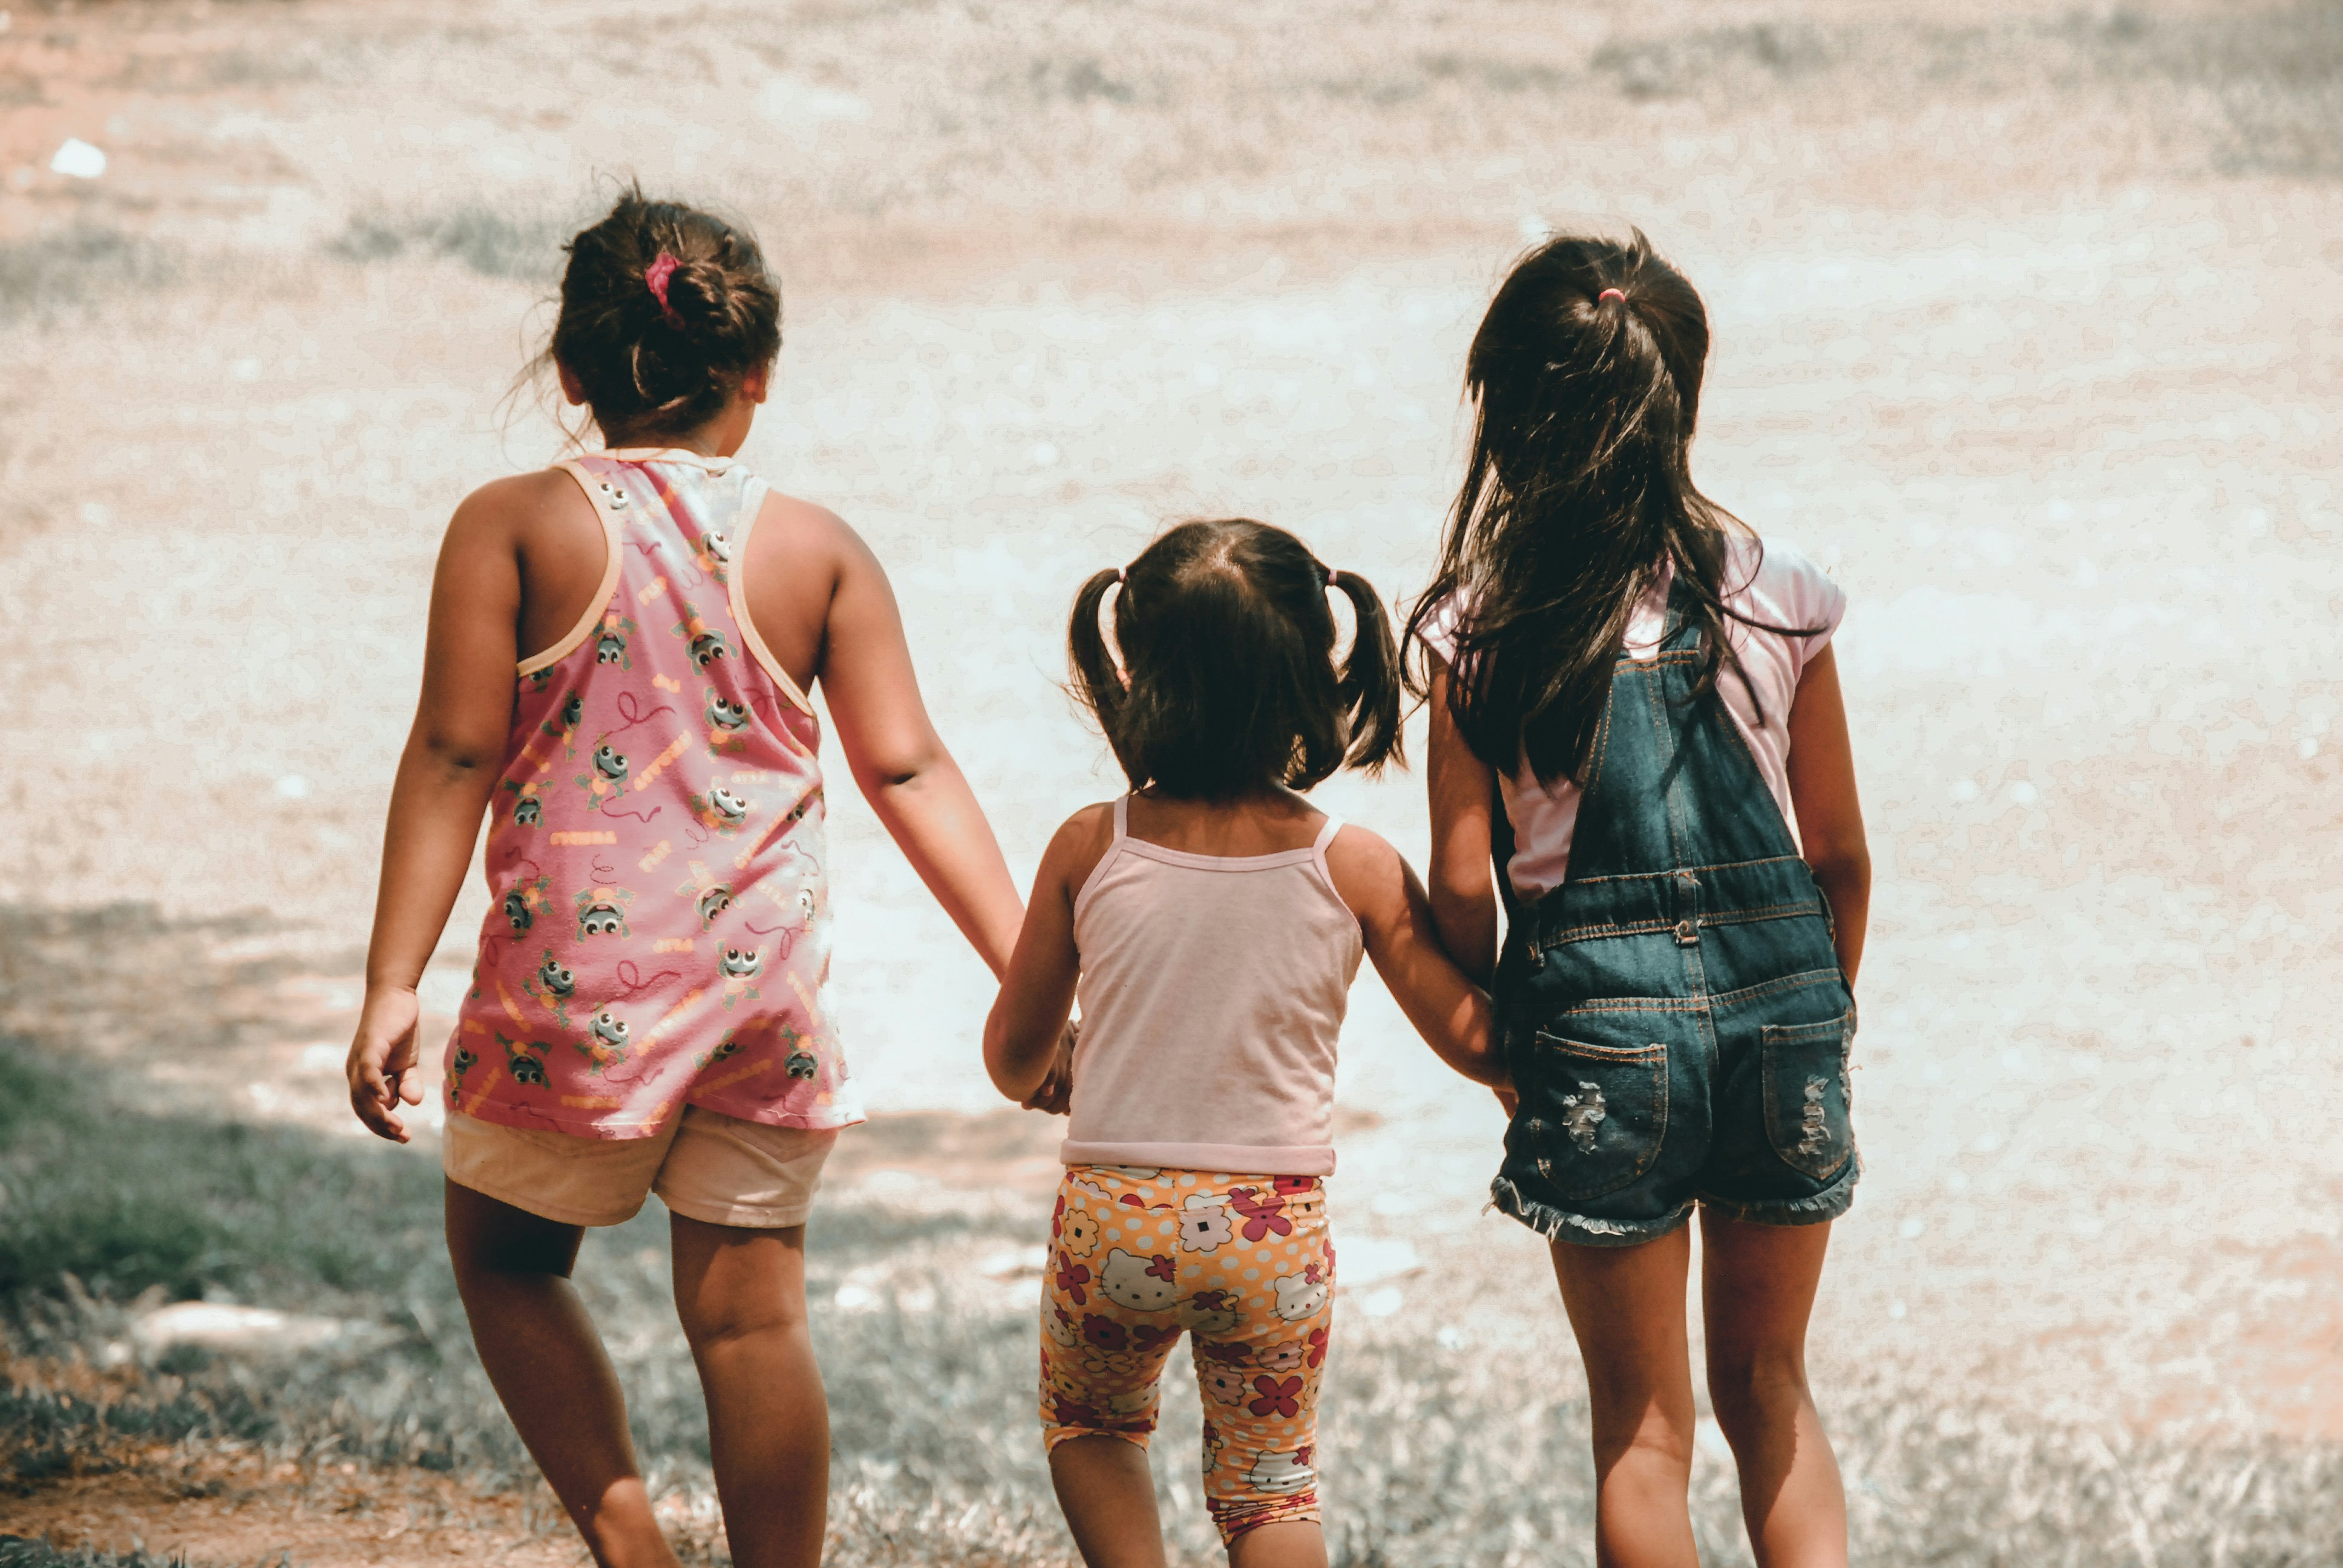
[1592, 1116]
[1805, 1071]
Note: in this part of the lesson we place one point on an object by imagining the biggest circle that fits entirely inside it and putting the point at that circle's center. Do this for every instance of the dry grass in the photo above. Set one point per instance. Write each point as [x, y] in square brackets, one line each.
[1437, 1453]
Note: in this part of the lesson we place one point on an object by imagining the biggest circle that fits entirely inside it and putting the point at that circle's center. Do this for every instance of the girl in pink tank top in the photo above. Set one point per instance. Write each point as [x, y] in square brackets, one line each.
[1211, 922]
[616, 679]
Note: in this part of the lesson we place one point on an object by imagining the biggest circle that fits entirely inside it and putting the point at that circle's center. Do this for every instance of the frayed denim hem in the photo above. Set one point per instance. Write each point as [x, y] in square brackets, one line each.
[1581, 1229]
[1820, 1209]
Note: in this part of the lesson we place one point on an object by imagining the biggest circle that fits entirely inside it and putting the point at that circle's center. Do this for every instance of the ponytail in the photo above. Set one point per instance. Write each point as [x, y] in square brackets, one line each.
[1097, 683]
[1369, 685]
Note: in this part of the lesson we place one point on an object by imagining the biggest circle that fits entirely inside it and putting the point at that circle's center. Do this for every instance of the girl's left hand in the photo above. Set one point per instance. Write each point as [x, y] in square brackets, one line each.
[381, 1067]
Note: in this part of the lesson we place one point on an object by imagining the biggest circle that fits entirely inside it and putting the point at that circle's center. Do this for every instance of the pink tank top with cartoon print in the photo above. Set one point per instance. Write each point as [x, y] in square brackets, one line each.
[659, 932]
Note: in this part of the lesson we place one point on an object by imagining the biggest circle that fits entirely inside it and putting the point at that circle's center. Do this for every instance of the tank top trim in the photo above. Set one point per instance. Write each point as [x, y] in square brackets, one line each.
[752, 507]
[592, 615]
[1312, 854]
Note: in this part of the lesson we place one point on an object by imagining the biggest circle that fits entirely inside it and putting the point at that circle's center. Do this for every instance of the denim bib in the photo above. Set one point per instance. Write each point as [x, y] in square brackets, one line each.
[1674, 1014]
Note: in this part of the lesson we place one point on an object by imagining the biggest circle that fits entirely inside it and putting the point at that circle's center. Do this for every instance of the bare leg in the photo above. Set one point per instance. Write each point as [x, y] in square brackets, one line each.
[741, 1297]
[1626, 1305]
[1109, 1498]
[1299, 1543]
[548, 1366]
[1757, 1289]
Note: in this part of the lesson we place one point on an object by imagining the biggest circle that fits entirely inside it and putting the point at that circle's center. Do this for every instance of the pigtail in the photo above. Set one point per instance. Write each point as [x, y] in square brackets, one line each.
[1370, 680]
[1097, 683]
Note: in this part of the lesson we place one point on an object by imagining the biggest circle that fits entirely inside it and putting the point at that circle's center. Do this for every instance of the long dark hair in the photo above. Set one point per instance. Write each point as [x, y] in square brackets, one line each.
[664, 308]
[1228, 682]
[1585, 380]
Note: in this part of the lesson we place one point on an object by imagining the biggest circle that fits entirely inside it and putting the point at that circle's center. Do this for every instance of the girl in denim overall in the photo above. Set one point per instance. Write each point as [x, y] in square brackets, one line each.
[1637, 715]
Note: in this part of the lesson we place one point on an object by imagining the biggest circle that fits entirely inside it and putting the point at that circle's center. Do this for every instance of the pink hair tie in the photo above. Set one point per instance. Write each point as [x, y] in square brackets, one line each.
[656, 275]
[1118, 577]
[1605, 297]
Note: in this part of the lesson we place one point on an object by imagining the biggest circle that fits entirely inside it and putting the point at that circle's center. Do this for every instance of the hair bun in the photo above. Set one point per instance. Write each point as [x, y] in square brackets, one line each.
[664, 308]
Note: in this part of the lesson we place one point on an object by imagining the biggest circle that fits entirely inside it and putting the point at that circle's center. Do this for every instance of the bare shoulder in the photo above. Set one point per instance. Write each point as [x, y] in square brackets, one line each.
[1366, 870]
[511, 504]
[796, 524]
[1079, 843]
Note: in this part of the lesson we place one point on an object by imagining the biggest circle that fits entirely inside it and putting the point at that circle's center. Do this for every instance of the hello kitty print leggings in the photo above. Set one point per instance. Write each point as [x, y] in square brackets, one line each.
[1243, 1264]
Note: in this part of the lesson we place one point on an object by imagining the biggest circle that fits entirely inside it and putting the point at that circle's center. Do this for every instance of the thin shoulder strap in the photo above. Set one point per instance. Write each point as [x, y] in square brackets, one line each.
[1318, 859]
[1113, 852]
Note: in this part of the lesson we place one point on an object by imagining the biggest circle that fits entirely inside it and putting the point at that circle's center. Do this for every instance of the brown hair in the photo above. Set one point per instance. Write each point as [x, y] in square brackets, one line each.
[1229, 682]
[1585, 376]
[654, 367]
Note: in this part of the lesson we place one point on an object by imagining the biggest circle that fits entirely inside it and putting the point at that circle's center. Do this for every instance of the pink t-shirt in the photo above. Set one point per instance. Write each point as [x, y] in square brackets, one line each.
[1786, 589]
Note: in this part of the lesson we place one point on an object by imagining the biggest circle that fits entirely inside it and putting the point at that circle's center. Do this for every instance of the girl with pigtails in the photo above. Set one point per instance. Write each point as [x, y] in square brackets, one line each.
[615, 678]
[1210, 922]
[1636, 721]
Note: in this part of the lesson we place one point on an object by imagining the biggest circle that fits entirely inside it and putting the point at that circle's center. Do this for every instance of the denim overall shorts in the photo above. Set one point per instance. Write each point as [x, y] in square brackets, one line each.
[1674, 1014]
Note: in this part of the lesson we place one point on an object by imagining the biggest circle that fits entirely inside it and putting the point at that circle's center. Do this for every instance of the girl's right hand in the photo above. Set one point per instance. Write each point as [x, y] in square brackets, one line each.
[381, 1068]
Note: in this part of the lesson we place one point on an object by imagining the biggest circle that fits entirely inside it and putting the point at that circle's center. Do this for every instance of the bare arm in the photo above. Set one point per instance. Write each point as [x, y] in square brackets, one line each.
[900, 762]
[1830, 817]
[1447, 1008]
[1463, 892]
[1028, 1021]
[453, 756]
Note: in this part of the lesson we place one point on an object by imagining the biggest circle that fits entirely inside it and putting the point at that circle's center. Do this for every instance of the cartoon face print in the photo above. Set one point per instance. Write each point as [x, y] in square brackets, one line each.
[460, 1063]
[607, 778]
[1204, 1223]
[1139, 1284]
[1283, 1473]
[714, 554]
[1209, 1312]
[707, 644]
[740, 967]
[601, 912]
[555, 980]
[610, 646]
[1302, 1295]
[722, 811]
[605, 1044]
[709, 898]
[728, 723]
[523, 901]
[801, 1064]
[527, 810]
[563, 722]
[524, 1062]
[551, 987]
[728, 1046]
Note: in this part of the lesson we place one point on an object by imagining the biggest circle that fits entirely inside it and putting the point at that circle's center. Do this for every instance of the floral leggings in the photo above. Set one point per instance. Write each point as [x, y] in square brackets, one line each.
[1245, 1265]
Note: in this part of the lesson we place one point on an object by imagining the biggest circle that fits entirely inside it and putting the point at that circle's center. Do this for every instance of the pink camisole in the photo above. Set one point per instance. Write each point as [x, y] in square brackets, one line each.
[660, 931]
[1213, 991]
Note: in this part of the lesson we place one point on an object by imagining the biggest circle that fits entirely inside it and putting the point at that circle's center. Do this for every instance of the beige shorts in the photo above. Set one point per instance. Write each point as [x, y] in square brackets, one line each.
[706, 1166]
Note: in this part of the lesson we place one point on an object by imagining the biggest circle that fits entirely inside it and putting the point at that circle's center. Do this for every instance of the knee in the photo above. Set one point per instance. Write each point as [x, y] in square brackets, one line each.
[711, 1324]
[1757, 1385]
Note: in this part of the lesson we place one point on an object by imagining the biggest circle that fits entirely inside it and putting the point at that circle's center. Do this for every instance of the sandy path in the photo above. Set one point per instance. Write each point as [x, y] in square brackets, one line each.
[2047, 392]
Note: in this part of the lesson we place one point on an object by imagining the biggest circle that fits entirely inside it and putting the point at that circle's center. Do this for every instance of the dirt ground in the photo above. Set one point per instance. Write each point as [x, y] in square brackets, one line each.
[2025, 329]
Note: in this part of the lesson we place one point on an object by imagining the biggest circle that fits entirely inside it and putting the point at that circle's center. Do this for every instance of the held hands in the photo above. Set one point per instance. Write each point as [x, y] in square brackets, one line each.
[381, 1067]
[1056, 1094]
